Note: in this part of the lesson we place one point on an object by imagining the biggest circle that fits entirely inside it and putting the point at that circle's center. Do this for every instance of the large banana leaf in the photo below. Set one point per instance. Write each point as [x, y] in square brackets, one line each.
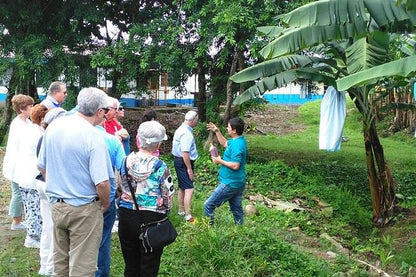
[326, 12]
[327, 20]
[388, 13]
[275, 66]
[410, 4]
[367, 52]
[329, 12]
[283, 79]
[407, 44]
[295, 39]
[402, 67]
[270, 31]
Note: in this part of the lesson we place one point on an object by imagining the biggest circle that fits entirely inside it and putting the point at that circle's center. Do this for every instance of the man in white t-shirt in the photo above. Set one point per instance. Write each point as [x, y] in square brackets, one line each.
[75, 162]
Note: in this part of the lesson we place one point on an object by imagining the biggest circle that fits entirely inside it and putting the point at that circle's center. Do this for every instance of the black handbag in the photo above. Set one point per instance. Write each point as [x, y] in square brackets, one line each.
[154, 235]
[158, 234]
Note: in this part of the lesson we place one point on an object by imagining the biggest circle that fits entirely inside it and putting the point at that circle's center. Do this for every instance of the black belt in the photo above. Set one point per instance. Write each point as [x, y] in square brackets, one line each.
[61, 200]
[181, 159]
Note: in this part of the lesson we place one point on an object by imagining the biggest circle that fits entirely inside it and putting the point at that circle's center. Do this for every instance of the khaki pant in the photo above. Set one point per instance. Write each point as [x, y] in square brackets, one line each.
[77, 235]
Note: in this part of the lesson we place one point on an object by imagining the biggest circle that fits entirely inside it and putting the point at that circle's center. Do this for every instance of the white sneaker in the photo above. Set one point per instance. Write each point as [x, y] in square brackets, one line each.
[19, 226]
[32, 243]
[189, 218]
[182, 213]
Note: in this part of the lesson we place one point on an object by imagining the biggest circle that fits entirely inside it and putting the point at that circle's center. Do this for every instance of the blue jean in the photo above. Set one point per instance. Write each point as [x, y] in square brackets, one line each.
[224, 193]
[104, 254]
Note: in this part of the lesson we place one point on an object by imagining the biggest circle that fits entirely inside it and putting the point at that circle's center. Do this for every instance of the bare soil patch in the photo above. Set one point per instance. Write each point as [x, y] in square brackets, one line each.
[276, 120]
[271, 120]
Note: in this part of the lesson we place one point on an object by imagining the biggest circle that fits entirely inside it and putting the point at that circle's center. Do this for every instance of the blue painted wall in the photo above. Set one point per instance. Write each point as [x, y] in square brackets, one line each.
[132, 102]
[289, 99]
[277, 99]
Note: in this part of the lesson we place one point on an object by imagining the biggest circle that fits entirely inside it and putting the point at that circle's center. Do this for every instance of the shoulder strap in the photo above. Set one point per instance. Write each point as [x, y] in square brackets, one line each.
[129, 183]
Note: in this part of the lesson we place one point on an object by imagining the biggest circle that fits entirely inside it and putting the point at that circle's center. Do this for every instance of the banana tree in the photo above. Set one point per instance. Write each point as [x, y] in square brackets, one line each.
[347, 44]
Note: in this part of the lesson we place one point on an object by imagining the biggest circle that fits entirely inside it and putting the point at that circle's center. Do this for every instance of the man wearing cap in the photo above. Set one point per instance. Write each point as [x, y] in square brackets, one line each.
[56, 95]
[75, 162]
[185, 153]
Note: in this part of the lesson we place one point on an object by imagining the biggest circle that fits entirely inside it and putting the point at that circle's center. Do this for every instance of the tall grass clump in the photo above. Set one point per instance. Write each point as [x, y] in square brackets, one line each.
[225, 250]
[276, 178]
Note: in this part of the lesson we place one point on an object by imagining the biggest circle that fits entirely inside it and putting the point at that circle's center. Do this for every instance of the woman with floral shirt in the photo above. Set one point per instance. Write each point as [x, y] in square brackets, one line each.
[152, 188]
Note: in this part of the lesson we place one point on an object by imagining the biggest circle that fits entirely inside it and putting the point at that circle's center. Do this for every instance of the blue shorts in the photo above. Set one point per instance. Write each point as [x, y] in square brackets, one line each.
[182, 173]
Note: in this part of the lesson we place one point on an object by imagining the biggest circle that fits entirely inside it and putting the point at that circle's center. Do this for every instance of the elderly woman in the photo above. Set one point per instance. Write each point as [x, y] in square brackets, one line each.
[46, 239]
[152, 187]
[19, 166]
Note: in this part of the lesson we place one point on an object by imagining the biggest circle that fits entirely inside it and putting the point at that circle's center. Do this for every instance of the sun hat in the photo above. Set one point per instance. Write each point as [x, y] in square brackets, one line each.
[151, 132]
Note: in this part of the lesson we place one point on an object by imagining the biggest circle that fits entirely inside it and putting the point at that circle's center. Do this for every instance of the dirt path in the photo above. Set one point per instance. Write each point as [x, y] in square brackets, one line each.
[278, 120]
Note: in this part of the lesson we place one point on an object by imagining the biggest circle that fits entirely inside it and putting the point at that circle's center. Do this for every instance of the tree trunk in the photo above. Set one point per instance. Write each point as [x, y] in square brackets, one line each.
[240, 68]
[116, 75]
[229, 87]
[382, 184]
[201, 95]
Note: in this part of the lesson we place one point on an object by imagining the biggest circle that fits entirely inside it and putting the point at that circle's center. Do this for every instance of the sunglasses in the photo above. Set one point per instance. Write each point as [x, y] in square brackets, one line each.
[120, 108]
[105, 109]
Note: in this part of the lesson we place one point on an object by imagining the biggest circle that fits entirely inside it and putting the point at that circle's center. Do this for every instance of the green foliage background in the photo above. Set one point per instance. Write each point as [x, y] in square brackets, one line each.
[278, 243]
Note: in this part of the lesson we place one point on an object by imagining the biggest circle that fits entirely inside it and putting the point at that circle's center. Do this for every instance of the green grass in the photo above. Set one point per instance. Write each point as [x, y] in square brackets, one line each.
[278, 243]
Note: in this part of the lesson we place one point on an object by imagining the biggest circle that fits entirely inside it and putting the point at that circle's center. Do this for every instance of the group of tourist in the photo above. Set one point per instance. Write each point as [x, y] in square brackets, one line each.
[63, 168]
